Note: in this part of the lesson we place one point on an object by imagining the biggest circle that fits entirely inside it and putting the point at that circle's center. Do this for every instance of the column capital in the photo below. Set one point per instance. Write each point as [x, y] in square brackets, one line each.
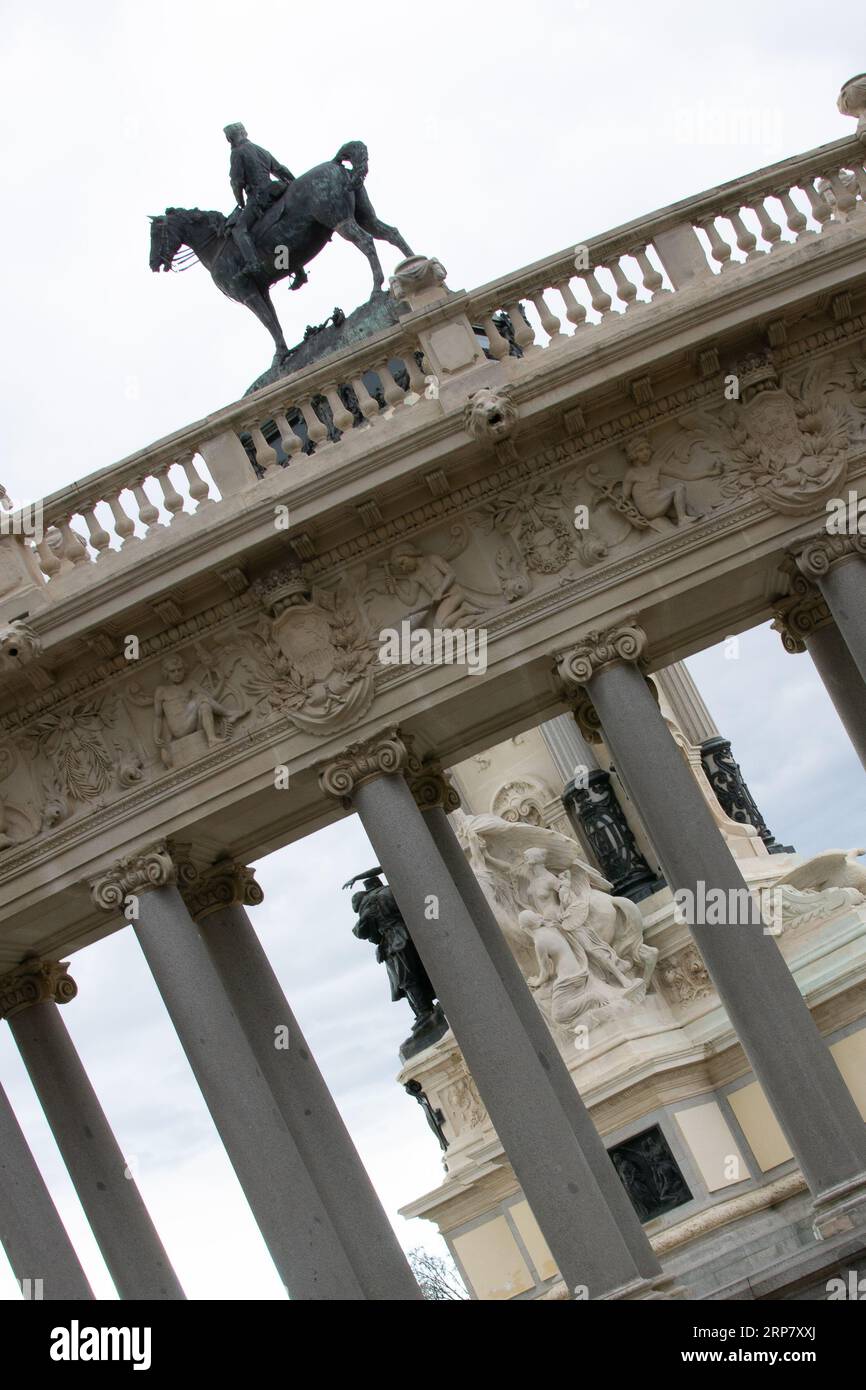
[816, 556]
[381, 755]
[430, 785]
[623, 641]
[225, 884]
[156, 866]
[586, 716]
[35, 981]
[801, 614]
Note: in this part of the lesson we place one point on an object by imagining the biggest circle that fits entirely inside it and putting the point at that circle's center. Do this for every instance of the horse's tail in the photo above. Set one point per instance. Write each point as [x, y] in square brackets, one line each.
[355, 153]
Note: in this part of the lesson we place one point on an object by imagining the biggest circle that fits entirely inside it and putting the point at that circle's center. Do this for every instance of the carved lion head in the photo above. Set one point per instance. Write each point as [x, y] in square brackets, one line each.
[490, 413]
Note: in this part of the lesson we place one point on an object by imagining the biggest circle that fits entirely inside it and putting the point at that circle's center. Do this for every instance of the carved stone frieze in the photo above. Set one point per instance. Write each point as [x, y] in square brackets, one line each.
[684, 977]
[35, 982]
[226, 884]
[154, 867]
[625, 641]
[381, 755]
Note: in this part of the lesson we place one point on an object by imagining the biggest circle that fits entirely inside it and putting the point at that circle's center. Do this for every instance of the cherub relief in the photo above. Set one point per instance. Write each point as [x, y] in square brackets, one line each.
[646, 482]
[182, 706]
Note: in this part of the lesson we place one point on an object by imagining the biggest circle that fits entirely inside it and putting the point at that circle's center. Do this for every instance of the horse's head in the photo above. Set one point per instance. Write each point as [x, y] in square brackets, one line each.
[166, 238]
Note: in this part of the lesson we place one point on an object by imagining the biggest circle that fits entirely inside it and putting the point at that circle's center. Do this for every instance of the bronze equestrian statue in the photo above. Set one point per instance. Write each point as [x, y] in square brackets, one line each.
[279, 228]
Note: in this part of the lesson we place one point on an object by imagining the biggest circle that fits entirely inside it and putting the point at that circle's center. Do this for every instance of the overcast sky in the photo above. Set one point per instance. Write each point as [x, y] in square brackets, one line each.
[498, 134]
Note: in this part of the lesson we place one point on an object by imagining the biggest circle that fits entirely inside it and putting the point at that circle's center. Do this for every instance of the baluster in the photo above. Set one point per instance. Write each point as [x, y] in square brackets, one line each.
[653, 281]
[199, 490]
[574, 310]
[148, 514]
[523, 334]
[601, 300]
[99, 537]
[391, 391]
[626, 292]
[416, 379]
[266, 457]
[292, 443]
[746, 240]
[367, 404]
[48, 559]
[74, 548]
[796, 219]
[123, 524]
[497, 342]
[549, 322]
[821, 210]
[342, 416]
[719, 248]
[315, 429]
[172, 498]
[845, 200]
[770, 230]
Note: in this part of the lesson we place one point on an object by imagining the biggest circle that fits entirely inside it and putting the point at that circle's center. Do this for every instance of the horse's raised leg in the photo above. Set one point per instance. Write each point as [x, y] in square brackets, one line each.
[260, 302]
[365, 215]
[352, 232]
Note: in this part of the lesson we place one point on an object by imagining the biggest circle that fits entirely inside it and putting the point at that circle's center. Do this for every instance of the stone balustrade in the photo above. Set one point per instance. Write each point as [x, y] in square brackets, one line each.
[543, 307]
[626, 268]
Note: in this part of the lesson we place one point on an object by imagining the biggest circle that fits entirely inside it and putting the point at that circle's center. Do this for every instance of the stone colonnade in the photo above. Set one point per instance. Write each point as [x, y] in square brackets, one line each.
[325, 1229]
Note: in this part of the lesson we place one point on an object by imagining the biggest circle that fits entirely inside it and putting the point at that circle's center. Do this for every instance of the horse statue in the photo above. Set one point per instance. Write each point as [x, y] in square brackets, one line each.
[329, 198]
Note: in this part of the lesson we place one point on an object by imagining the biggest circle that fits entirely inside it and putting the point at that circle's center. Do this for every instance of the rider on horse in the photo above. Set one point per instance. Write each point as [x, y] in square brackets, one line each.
[250, 170]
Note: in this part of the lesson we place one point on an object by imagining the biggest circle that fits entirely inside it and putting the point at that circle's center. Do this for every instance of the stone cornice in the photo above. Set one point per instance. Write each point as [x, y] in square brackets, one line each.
[381, 755]
[157, 866]
[817, 556]
[226, 884]
[623, 641]
[430, 786]
[35, 982]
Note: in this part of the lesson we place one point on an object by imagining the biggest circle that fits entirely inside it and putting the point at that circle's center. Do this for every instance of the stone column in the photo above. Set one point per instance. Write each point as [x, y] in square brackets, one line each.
[511, 1055]
[806, 625]
[595, 812]
[216, 902]
[291, 1217]
[801, 1080]
[722, 769]
[835, 564]
[31, 1232]
[124, 1232]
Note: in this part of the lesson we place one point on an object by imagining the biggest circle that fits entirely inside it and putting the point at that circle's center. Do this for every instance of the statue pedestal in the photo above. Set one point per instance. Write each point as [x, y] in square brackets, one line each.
[435, 1027]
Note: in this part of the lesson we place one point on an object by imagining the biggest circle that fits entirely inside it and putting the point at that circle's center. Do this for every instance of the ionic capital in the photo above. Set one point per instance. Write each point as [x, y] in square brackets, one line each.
[430, 786]
[154, 867]
[623, 641]
[35, 982]
[226, 884]
[379, 756]
[801, 615]
[816, 557]
[586, 717]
